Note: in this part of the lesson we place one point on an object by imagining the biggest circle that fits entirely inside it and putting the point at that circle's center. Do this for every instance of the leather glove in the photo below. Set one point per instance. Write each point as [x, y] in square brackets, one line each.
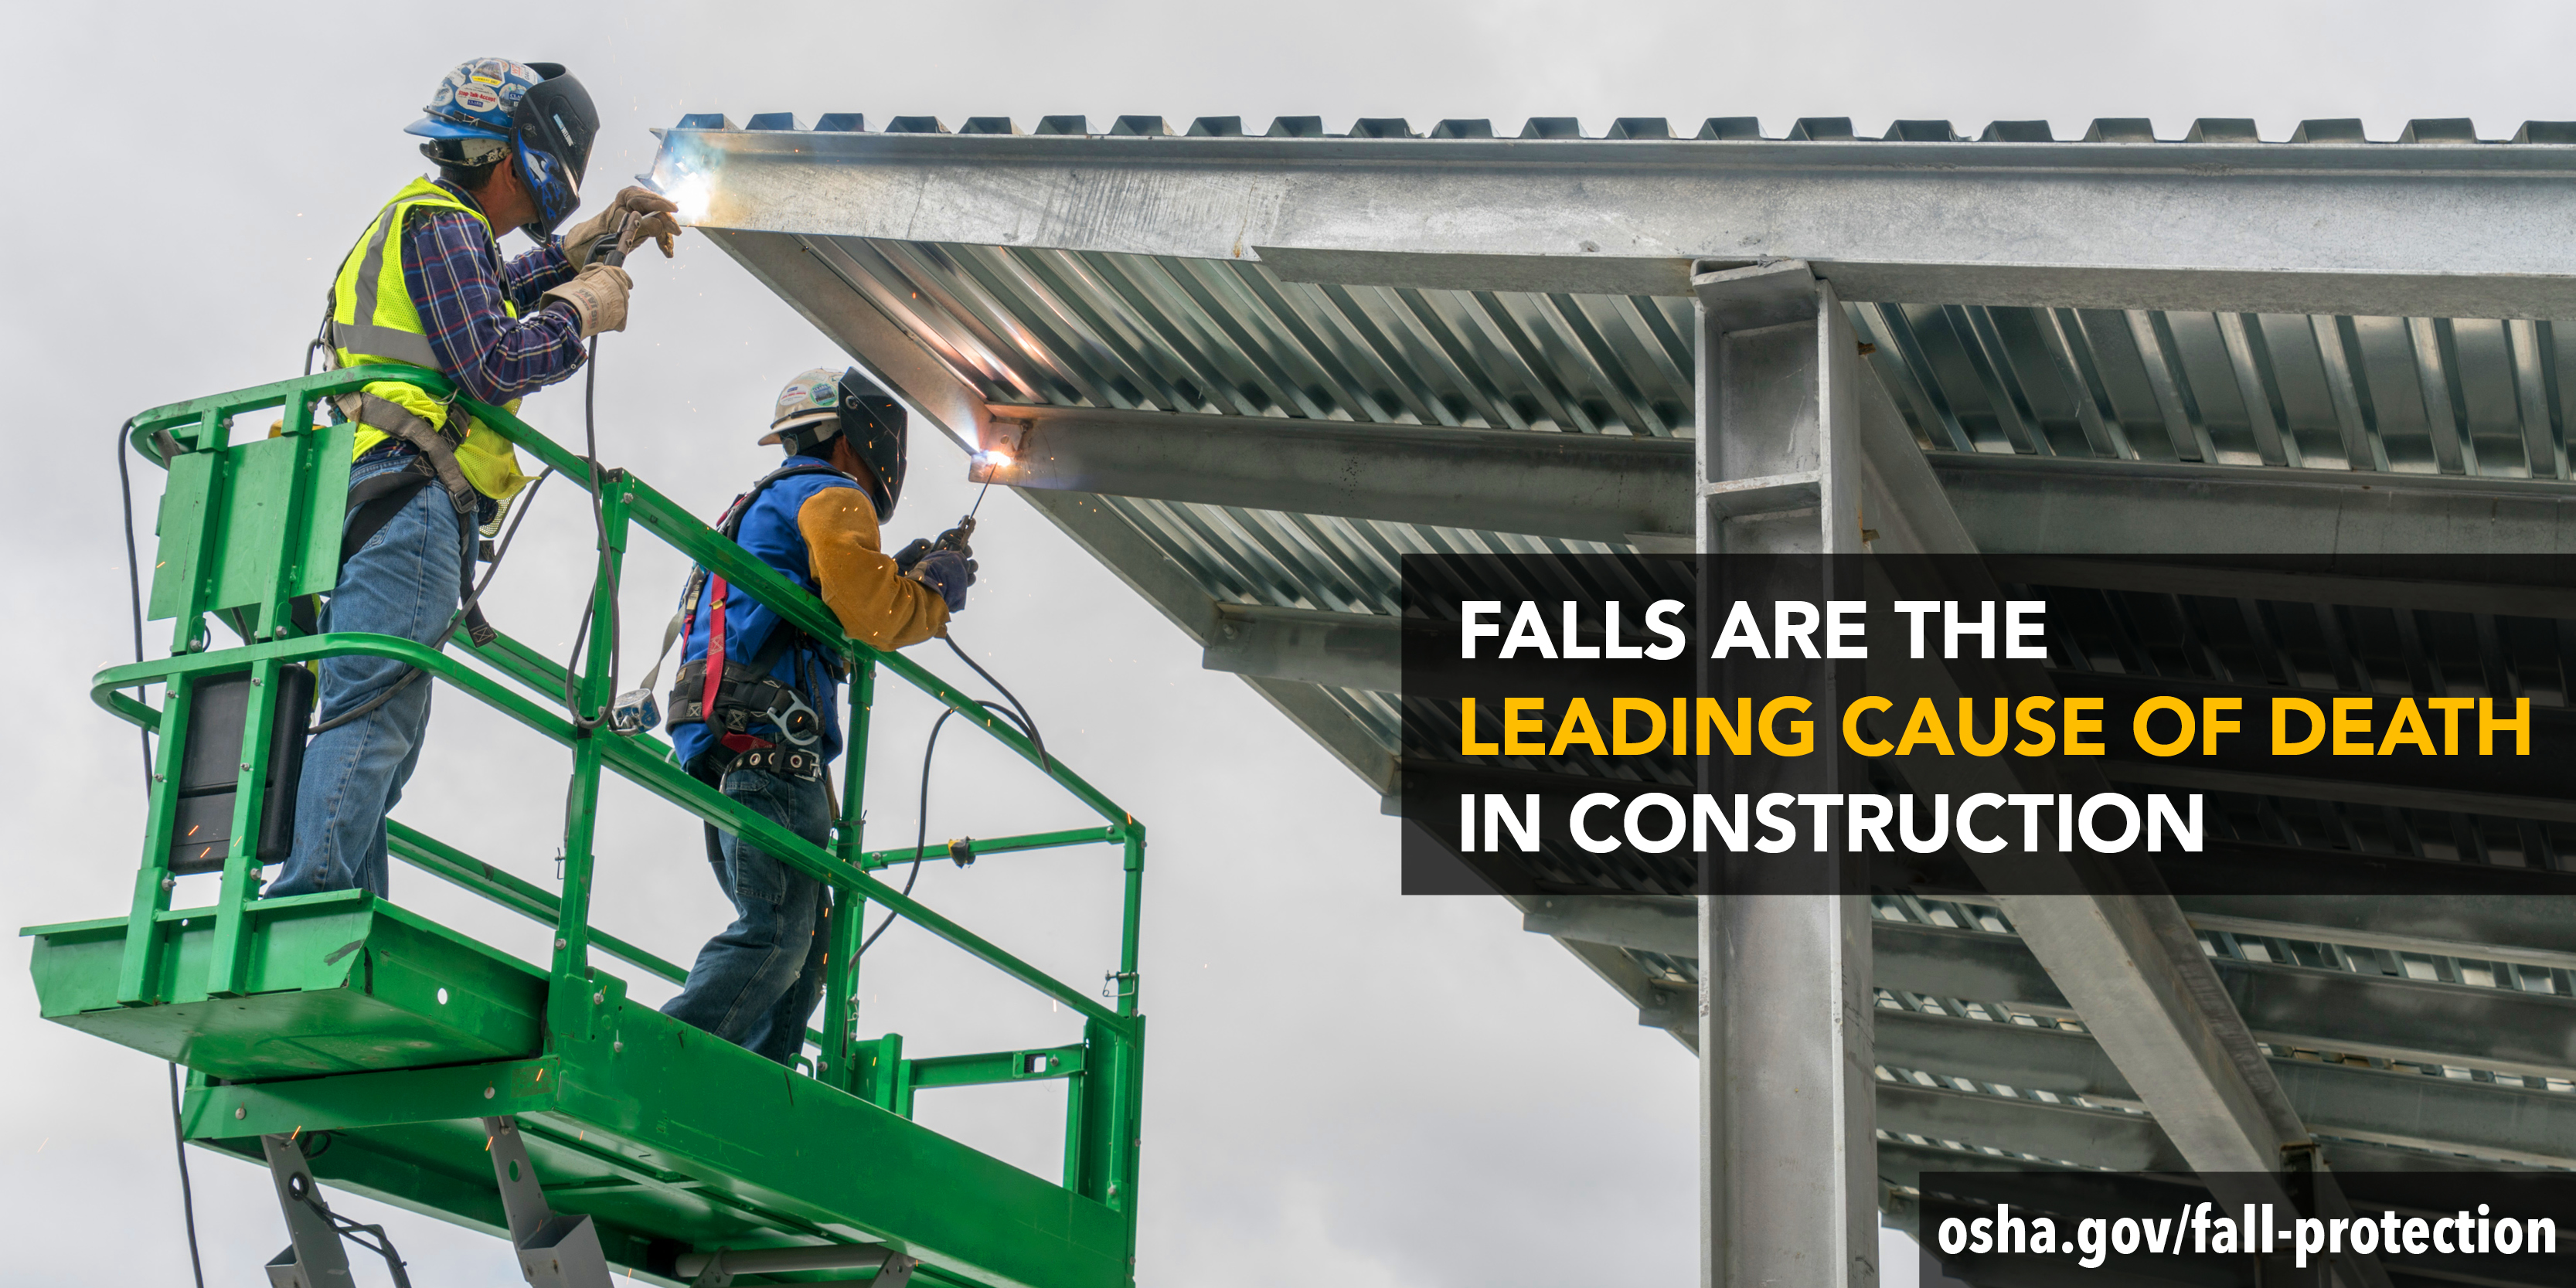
[597, 297]
[654, 222]
[947, 572]
[905, 558]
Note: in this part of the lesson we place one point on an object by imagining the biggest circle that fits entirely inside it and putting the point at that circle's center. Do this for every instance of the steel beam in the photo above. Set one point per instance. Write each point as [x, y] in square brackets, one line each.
[2482, 927]
[1311, 646]
[1591, 487]
[1622, 490]
[1650, 923]
[1788, 1194]
[2108, 1138]
[2410, 1020]
[2096, 1138]
[2405, 1109]
[2236, 580]
[2058, 505]
[2055, 224]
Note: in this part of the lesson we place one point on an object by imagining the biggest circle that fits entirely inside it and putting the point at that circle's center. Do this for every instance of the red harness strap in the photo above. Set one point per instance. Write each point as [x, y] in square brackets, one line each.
[715, 675]
[715, 653]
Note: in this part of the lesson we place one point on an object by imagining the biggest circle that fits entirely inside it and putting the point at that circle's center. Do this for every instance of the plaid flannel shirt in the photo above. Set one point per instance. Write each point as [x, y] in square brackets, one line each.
[457, 281]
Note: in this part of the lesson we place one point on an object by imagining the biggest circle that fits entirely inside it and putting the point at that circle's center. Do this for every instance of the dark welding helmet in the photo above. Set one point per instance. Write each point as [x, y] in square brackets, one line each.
[819, 404]
[550, 138]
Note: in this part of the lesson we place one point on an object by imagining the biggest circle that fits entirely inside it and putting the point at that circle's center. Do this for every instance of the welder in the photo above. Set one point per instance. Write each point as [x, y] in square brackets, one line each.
[753, 711]
[425, 285]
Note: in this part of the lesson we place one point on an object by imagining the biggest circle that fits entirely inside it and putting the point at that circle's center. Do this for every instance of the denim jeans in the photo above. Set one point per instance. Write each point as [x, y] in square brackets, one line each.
[756, 983]
[402, 582]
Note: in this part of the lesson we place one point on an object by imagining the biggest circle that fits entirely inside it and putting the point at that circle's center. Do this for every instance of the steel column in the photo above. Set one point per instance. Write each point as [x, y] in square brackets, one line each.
[1787, 1156]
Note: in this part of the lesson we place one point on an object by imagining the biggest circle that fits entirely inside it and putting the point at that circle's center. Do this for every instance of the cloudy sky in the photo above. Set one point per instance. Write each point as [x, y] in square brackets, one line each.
[1345, 1085]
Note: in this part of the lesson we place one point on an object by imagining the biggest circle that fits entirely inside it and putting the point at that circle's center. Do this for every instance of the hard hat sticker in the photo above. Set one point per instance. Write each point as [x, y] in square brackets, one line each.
[475, 98]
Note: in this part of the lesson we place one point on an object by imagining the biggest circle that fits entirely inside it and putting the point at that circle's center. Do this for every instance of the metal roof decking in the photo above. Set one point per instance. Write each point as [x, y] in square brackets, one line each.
[1252, 369]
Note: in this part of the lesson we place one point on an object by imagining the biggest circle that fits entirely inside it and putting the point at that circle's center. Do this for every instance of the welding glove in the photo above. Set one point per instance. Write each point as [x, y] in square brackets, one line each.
[947, 572]
[654, 222]
[597, 297]
[905, 558]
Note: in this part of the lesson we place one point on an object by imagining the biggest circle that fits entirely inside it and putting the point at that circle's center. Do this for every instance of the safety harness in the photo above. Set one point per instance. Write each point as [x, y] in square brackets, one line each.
[743, 694]
[373, 502]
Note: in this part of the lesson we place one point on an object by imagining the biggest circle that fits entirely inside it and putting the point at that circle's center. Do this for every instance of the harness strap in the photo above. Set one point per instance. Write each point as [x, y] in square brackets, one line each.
[396, 420]
[374, 502]
[782, 636]
[715, 654]
[439, 450]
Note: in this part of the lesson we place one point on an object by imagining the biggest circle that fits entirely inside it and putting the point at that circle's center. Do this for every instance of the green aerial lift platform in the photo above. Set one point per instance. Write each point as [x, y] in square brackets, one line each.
[346, 1041]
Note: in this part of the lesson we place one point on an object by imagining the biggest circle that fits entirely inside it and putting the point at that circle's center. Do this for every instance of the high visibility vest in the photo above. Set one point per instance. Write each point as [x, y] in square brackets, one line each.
[373, 320]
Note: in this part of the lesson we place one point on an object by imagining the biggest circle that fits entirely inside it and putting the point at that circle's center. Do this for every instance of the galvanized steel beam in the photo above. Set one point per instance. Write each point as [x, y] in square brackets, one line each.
[2512, 928]
[2430, 230]
[2108, 1138]
[1787, 1186]
[2061, 505]
[2095, 1138]
[1312, 646]
[2408, 1020]
[2405, 1109]
[1666, 924]
[1590, 487]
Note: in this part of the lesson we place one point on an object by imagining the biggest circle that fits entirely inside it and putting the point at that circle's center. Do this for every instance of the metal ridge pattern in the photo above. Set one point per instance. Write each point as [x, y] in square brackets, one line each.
[2220, 131]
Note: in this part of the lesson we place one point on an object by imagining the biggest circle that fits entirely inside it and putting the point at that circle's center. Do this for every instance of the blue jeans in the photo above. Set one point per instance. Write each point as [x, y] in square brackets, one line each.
[402, 582]
[757, 983]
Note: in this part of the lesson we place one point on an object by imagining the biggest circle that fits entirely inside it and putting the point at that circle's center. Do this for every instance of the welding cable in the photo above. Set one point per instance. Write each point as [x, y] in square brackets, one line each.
[921, 832]
[607, 567]
[490, 571]
[133, 577]
[134, 592]
[187, 1191]
[1028, 724]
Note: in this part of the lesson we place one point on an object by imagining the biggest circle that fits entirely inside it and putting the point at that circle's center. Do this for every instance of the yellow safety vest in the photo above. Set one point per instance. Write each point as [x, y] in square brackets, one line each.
[373, 320]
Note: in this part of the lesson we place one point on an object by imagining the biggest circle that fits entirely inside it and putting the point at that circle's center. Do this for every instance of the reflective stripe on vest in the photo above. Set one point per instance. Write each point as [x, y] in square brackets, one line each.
[364, 335]
[373, 320]
[372, 315]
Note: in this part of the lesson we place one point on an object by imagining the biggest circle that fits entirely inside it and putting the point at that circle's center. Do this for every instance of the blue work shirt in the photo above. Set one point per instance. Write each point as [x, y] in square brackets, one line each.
[769, 532]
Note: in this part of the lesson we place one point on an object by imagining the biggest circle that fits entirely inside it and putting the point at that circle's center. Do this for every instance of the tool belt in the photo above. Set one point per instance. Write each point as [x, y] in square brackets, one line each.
[748, 695]
[373, 502]
[786, 762]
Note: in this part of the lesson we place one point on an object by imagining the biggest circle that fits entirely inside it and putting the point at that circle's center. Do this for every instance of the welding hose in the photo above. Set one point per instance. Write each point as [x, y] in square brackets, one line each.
[921, 830]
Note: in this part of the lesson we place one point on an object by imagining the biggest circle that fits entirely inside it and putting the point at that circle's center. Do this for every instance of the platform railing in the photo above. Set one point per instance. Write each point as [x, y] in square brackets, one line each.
[247, 528]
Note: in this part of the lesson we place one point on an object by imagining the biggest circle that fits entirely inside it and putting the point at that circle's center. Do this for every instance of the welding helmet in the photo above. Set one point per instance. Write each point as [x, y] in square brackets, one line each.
[821, 403]
[537, 114]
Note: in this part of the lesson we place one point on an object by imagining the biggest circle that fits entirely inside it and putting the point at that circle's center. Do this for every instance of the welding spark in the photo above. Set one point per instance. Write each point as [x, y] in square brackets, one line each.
[693, 194]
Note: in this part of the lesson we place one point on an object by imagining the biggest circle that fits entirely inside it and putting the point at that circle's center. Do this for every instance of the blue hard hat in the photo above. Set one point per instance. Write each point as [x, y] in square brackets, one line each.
[476, 101]
[538, 113]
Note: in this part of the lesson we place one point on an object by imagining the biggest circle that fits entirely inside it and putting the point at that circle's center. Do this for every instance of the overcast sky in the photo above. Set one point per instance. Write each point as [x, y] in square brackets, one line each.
[1345, 1086]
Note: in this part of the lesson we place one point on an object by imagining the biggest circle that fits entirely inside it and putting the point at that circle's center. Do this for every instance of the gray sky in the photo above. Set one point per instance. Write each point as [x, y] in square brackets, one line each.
[1344, 1085]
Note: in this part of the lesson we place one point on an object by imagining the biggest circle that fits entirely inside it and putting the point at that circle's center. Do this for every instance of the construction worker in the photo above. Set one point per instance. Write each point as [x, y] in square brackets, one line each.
[425, 286]
[775, 726]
